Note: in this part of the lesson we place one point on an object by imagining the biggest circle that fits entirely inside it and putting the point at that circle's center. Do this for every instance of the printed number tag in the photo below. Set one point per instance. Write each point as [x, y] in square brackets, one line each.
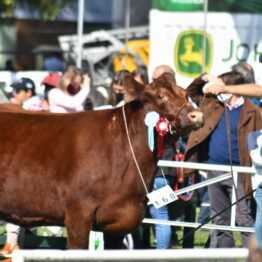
[162, 196]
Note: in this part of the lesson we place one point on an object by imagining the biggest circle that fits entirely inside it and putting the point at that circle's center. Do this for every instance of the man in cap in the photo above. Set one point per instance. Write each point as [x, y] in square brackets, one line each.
[24, 94]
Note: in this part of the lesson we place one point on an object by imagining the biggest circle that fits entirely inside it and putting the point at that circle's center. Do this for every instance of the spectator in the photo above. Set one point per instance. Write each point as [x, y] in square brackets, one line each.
[9, 65]
[249, 75]
[160, 70]
[116, 89]
[250, 90]
[25, 96]
[140, 75]
[54, 63]
[210, 144]
[255, 149]
[70, 93]
[49, 82]
[163, 232]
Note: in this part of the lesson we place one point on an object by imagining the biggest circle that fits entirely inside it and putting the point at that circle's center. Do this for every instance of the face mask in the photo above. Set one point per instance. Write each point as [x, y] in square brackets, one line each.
[119, 97]
[224, 98]
[73, 89]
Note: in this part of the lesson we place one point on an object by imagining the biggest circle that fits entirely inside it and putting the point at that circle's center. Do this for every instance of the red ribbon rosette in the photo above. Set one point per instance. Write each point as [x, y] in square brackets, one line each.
[162, 128]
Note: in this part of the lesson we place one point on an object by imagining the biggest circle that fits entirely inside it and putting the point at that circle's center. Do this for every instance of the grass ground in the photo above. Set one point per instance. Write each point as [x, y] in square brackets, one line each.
[200, 238]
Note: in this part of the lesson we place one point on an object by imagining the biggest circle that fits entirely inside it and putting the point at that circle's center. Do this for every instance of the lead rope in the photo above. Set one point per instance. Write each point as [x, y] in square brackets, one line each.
[229, 142]
[132, 150]
[229, 147]
[230, 157]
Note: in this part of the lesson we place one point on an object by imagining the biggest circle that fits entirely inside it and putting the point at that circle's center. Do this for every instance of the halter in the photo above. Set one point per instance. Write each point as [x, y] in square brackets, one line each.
[176, 119]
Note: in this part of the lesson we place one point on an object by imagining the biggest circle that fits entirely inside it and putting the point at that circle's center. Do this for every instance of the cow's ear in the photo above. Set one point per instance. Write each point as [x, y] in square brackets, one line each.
[132, 87]
[169, 78]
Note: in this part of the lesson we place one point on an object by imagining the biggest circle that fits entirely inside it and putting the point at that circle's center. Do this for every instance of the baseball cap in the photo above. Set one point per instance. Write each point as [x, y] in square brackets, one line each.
[23, 83]
[51, 79]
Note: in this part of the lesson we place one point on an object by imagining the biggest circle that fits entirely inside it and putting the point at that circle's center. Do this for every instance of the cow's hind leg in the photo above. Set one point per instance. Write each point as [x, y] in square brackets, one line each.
[78, 229]
[113, 242]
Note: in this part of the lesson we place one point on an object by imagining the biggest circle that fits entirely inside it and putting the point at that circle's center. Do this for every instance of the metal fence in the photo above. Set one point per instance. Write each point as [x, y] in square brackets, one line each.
[191, 255]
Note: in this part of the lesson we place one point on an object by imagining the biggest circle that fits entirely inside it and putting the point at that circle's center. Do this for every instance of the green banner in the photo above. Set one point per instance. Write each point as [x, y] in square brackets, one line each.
[232, 6]
[178, 5]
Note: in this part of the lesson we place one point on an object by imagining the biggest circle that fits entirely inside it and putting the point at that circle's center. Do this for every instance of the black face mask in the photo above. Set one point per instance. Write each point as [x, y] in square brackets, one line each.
[119, 97]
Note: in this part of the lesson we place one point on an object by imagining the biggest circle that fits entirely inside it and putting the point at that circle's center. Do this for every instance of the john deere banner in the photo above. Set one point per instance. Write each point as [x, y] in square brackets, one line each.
[176, 39]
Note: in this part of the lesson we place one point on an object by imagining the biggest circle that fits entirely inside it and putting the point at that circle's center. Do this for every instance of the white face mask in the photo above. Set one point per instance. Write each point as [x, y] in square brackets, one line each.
[224, 98]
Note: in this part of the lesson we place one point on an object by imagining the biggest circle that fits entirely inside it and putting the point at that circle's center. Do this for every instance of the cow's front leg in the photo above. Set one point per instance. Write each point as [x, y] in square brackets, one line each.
[78, 229]
[113, 242]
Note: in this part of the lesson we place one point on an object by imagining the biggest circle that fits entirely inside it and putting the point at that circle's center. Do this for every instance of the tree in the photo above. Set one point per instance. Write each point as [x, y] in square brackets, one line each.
[47, 9]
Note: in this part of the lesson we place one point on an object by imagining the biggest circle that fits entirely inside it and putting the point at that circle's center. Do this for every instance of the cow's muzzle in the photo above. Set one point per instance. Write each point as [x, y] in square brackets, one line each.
[197, 119]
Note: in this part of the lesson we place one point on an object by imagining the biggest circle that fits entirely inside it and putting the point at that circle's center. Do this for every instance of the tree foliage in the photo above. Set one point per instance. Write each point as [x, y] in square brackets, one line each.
[47, 9]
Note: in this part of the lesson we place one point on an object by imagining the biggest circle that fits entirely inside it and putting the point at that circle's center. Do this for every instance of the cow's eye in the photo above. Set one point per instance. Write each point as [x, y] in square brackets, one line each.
[160, 96]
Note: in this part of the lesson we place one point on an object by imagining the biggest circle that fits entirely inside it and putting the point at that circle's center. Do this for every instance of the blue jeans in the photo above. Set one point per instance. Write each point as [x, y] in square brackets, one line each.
[258, 223]
[163, 232]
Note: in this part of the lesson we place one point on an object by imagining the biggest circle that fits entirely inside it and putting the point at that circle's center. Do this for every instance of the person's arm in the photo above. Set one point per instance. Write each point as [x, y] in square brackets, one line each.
[62, 99]
[194, 90]
[250, 90]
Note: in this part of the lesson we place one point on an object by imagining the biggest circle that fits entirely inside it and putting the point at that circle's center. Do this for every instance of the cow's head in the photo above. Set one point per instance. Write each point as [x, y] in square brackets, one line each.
[169, 100]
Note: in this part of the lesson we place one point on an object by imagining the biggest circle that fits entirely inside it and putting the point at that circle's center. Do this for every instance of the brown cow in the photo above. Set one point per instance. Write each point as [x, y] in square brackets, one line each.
[77, 170]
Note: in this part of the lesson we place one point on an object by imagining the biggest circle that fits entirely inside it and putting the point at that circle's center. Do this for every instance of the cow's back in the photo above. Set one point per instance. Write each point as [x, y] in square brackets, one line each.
[64, 157]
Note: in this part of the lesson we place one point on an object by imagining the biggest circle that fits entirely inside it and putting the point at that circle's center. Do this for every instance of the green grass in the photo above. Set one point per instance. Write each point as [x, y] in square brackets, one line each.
[200, 237]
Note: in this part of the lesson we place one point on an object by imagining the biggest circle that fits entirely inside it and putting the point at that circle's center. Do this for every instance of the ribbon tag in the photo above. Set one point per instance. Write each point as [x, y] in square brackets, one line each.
[151, 120]
[162, 127]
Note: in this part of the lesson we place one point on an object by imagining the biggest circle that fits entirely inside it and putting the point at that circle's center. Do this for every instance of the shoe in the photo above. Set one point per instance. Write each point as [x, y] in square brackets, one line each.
[8, 248]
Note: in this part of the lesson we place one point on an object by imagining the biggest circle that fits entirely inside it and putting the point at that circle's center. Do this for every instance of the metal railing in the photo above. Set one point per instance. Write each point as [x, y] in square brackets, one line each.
[202, 166]
[224, 254]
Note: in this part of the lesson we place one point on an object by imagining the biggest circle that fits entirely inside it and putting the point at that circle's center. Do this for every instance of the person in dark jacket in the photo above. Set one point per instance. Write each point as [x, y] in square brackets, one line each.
[210, 144]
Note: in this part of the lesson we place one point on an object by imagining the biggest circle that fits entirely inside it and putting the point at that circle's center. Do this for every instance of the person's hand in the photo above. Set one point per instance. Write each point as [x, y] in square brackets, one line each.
[86, 80]
[215, 85]
[213, 79]
[214, 89]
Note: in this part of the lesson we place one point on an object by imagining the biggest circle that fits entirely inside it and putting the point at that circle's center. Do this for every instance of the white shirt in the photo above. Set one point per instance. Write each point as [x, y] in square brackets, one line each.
[34, 103]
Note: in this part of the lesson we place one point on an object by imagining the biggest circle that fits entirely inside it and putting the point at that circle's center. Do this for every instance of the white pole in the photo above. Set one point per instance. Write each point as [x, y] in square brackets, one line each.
[204, 36]
[233, 199]
[80, 22]
[127, 26]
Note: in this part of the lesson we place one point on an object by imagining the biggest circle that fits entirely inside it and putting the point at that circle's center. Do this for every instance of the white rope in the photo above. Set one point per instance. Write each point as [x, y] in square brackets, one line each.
[132, 150]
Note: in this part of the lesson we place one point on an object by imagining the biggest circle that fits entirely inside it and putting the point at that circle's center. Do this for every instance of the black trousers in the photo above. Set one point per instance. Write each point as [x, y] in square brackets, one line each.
[220, 198]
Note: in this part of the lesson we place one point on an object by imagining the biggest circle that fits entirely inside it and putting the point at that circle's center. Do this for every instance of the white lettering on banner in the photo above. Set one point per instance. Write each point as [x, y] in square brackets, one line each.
[162, 196]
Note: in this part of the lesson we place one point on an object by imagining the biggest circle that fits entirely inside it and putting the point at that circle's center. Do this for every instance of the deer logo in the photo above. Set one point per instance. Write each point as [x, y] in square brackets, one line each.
[188, 53]
[191, 56]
